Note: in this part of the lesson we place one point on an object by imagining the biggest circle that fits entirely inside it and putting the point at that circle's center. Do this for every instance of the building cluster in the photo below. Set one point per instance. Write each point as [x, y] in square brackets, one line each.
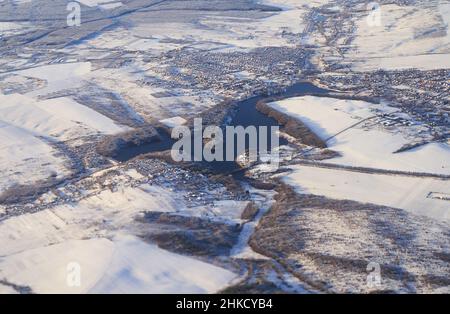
[232, 74]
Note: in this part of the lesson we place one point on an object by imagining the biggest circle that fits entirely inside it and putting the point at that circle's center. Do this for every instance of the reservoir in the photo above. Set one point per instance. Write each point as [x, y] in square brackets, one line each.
[245, 115]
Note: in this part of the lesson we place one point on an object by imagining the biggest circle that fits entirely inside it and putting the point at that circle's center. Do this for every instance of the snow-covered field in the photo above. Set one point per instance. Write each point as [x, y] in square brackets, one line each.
[341, 124]
[104, 4]
[408, 193]
[61, 118]
[39, 250]
[57, 76]
[401, 37]
[28, 125]
[122, 265]
[334, 244]
[25, 159]
[150, 227]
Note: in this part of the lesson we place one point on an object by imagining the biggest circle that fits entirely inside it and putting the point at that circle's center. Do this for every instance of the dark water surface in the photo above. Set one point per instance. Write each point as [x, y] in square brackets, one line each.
[245, 115]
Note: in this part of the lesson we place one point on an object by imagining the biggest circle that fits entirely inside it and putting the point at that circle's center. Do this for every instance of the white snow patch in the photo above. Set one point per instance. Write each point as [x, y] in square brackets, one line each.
[58, 76]
[359, 146]
[122, 265]
[90, 217]
[137, 267]
[93, 3]
[7, 290]
[25, 159]
[264, 201]
[173, 122]
[415, 36]
[408, 193]
[61, 117]
[130, 201]
[226, 211]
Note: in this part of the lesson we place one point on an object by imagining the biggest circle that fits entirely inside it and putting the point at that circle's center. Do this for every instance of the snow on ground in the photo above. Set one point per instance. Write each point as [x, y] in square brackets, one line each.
[122, 265]
[62, 118]
[111, 5]
[247, 33]
[8, 28]
[130, 201]
[342, 124]
[273, 29]
[46, 269]
[19, 1]
[421, 62]
[242, 248]
[130, 39]
[331, 243]
[93, 216]
[69, 110]
[173, 122]
[101, 3]
[25, 159]
[143, 100]
[359, 146]
[213, 30]
[7, 290]
[137, 267]
[409, 193]
[224, 211]
[291, 4]
[209, 30]
[31, 231]
[416, 36]
[58, 76]
[39, 249]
